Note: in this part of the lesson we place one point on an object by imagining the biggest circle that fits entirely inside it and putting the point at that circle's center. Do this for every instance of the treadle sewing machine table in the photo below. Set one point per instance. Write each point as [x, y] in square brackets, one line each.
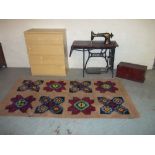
[107, 52]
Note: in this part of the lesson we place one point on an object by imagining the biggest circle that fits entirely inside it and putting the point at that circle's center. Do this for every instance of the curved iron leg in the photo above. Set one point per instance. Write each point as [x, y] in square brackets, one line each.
[112, 60]
[107, 66]
[83, 62]
[87, 60]
[70, 52]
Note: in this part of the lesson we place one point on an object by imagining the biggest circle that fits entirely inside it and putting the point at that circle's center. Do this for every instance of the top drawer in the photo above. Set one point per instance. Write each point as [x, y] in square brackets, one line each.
[44, 38]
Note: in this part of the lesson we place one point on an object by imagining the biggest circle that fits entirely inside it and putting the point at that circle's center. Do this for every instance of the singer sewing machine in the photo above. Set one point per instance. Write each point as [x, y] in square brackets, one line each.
[107, 51]
[106, 35]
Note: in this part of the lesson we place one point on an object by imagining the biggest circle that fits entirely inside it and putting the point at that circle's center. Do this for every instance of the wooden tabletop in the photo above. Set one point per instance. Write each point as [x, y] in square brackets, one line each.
[79, 44]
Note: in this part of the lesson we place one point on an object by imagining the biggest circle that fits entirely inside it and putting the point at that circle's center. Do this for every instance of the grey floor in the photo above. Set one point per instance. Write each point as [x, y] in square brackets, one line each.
[143, 95]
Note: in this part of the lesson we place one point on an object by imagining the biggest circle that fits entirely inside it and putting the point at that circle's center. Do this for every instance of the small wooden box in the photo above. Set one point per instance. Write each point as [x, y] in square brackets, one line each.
[130, 71]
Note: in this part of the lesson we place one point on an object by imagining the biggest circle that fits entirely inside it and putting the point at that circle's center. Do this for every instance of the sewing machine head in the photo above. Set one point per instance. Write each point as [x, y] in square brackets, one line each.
[107, 36]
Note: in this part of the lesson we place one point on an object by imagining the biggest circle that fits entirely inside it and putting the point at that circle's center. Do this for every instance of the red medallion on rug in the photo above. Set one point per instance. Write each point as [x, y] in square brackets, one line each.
[57, 86]
[103, 87]
[20, 103]
[83, 105]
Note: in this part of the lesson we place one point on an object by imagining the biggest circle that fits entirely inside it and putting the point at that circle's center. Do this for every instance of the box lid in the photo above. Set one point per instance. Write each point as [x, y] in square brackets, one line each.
[131, 65]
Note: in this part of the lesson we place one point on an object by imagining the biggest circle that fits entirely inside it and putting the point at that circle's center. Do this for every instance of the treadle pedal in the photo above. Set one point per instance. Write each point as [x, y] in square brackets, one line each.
[96, 70]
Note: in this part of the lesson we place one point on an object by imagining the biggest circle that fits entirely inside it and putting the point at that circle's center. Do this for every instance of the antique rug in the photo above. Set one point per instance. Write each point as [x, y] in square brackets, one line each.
[69, 99]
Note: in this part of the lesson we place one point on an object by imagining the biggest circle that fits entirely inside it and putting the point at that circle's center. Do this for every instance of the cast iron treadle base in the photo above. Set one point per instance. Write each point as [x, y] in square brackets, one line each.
[96, 70]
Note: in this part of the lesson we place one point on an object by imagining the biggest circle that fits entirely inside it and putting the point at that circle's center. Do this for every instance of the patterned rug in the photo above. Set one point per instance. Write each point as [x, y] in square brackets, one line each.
[68, 99]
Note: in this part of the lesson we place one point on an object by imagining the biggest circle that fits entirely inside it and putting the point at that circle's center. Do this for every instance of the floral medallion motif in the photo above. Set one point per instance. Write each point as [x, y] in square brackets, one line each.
[80, 86]
[57, 86]
[20, 103]
[110, 106]
[30, 85]
[83, 105]
[53, 105]
[103, 87]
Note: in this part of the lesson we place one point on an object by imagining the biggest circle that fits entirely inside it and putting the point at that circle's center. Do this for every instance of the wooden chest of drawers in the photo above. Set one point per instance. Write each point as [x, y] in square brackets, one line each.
[131, 71]
[47, 51]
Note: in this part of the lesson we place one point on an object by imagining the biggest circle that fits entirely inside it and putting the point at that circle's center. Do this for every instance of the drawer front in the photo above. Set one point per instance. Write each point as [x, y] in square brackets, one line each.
[48, 70]
[46, 49]
[44, 39]
[46, 60]
[35, 59]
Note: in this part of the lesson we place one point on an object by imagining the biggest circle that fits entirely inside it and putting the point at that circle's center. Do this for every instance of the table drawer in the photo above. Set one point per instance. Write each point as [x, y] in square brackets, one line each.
[46, 60]
[48, 70]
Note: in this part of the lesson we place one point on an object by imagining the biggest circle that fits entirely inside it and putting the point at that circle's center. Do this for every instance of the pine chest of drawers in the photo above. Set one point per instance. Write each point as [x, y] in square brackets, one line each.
[130, 71]
[47, 51]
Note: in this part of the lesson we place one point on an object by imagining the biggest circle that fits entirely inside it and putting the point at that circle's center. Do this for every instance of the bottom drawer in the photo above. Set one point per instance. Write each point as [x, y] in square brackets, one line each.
[48, 70]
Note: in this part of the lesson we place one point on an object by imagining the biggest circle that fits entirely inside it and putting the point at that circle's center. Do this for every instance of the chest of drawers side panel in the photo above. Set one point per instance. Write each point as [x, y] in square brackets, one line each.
[65, 52]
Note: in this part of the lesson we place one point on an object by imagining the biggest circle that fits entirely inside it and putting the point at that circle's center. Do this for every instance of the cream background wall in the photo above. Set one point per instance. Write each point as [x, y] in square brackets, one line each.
[136, 39]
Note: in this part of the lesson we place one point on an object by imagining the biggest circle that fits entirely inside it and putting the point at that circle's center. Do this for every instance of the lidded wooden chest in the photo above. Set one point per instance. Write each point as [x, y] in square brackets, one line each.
[131, 71]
